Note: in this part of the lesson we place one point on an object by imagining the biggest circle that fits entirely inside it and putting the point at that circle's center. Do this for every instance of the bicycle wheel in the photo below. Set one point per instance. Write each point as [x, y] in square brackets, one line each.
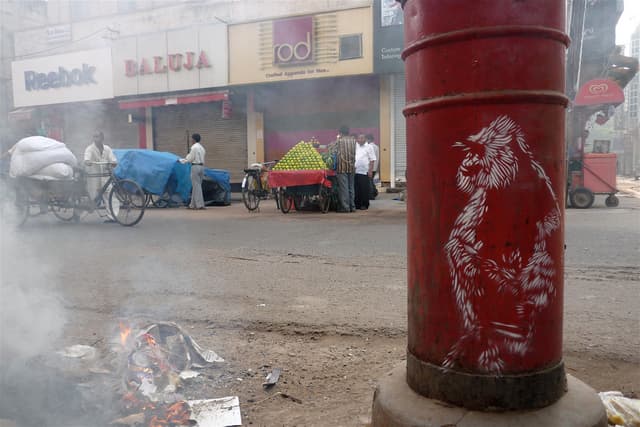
[250, 192]
[127, 202]
[160, 201]
[324, 199]
[286, 201]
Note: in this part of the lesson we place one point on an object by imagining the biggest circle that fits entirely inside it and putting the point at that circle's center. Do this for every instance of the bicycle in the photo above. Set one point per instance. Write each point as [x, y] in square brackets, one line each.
[123, 199]
[255, 186]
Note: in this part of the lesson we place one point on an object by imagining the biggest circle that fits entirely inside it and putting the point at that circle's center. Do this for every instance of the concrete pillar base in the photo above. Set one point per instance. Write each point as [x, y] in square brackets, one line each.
[395, 404]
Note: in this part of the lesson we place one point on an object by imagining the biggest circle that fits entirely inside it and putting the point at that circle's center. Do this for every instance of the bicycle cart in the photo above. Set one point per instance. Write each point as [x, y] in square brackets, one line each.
[23, 197]
[167, 182]
[256, 186]
[302, 188]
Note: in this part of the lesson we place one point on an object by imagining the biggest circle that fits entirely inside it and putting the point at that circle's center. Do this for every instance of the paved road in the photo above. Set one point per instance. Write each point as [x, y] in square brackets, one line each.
[287, 278]
[346, 270]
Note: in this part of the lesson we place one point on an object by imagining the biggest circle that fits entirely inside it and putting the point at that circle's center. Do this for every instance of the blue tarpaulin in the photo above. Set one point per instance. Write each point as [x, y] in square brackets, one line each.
[160, 172]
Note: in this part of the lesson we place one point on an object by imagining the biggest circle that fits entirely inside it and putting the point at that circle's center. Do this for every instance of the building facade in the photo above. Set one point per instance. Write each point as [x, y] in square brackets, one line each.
[253, 77]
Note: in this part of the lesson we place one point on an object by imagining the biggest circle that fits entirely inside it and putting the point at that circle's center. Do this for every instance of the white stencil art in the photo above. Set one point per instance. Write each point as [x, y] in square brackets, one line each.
[494, 157]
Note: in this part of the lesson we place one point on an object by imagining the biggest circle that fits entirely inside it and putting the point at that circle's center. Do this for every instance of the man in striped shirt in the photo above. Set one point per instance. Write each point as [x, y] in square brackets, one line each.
[345, 149]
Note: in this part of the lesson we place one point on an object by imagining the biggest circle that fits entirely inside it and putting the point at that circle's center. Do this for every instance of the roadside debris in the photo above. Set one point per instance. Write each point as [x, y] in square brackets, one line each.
[79, 351]
[221, 412]
[272, 378]
[621, 411]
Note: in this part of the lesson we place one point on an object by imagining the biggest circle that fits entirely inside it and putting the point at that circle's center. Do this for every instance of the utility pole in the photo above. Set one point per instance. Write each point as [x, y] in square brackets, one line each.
[485, 224]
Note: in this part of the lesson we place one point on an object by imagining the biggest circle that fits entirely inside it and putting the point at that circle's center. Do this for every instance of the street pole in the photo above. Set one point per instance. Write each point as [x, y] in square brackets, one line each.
[485, 224]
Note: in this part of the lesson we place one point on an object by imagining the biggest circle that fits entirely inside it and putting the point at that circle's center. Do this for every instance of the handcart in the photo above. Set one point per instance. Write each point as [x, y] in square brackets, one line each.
[302, 188]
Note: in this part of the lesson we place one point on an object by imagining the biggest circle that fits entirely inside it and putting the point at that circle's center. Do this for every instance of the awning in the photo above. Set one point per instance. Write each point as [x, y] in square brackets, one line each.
[20, 114]
[162, 101]
[599, 92]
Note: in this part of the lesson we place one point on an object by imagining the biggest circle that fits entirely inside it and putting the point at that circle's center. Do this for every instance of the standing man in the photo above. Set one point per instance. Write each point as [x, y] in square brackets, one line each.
[98, 152]
[196, 158]
[365, 158]
[345, 149]
[376, 165]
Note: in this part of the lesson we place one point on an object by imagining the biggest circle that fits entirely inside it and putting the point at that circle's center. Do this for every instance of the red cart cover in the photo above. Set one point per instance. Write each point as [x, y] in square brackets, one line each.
[299, 177]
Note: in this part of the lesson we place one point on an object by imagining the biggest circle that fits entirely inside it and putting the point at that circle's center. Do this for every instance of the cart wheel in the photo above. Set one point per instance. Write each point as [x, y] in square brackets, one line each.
[612, 201]
[160, 201]
[250, 192]
[324, 200]
[581, 198]
[286, 200]
[127, 202]
[64, 210]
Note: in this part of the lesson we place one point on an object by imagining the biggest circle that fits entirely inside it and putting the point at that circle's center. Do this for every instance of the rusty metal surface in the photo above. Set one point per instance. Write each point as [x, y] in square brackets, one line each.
[487, 392]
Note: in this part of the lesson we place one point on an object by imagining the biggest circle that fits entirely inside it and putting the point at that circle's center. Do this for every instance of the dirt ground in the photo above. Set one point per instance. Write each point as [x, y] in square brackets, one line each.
[323, 297]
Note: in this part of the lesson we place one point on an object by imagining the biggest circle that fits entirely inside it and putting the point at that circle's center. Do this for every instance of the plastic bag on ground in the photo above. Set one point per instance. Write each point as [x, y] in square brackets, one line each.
[621, 411]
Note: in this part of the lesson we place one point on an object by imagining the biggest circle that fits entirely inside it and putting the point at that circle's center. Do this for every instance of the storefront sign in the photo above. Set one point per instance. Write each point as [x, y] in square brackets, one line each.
[193, 58]
[73, 77]
[60, 78]
[293, 41]
[300, 48]
[388, 38]
[174, 62]
[59, 33]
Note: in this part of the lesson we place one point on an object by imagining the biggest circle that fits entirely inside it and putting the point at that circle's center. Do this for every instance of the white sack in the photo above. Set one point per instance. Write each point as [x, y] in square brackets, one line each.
[36, 143]
[56, 171]
[30, 162]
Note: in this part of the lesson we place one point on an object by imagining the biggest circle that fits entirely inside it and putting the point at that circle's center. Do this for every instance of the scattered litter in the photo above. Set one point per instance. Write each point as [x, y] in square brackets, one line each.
[621, 411]
[79, 351]
[281, 394]
[272, 378]
[239, 379]
[101, 371]
[223, 412]
[261, 305]
[185, 375]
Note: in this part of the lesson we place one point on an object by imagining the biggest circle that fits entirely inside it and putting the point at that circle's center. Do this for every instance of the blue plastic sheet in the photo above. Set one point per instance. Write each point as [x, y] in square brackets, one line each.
[158, 172]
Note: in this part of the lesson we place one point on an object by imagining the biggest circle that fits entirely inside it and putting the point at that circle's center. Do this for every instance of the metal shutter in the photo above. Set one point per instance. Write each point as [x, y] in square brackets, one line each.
[225, 140]
[400, 131]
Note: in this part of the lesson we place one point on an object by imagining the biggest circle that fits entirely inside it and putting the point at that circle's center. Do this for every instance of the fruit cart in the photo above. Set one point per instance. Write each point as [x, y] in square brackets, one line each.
[303, 179]
[302, 188]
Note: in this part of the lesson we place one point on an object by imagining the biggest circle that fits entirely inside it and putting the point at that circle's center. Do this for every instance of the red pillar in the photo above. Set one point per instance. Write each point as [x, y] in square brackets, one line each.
[485, 149]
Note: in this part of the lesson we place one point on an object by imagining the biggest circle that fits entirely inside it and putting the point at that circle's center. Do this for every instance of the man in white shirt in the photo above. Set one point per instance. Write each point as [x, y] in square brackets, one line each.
[365, 159]
[196, 158]
[98, 152]
[376, 165]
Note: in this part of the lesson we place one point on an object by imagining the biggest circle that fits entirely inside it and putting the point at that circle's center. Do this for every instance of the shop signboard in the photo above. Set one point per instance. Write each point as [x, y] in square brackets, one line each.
[293, 41]
[324, 45]
[192, 58]
[72, 77]
[388, 38]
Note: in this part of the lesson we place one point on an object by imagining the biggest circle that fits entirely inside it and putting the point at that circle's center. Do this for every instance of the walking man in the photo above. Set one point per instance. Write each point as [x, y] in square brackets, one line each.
[365, 158]
[345, 150]
[196, 158]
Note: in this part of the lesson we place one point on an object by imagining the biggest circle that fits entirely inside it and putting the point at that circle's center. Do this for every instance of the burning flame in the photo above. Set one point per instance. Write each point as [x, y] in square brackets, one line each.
[125, 331]
[177, 414]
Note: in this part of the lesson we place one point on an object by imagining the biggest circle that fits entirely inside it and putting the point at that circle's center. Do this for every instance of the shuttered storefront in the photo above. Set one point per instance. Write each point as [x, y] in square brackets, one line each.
[81, 120]
[225, 140]
[399, 127]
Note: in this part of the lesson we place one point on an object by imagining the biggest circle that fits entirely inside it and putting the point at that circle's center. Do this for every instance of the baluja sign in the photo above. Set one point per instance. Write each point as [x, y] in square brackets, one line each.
[293, 41]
